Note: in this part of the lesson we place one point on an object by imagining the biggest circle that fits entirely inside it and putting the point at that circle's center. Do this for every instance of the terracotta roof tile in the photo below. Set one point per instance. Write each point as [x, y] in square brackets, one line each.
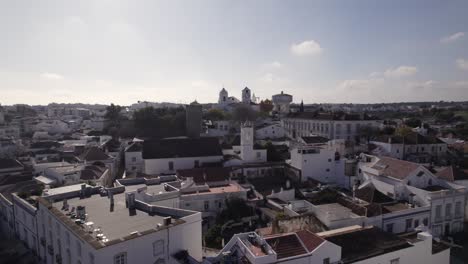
[395, 168]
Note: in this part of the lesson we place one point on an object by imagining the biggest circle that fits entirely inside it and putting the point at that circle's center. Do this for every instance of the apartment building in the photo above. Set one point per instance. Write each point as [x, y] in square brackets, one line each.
[329, 125]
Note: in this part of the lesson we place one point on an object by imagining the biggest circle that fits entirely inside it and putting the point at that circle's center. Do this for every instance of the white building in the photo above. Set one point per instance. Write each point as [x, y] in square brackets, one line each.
[413, 147]
[246, 96]
[329, 125]
[318, 159]
[134, 158]
[281, 102]
[347, 245]
[9, 131]
[247, 151]
[53, 126]
[272, 130]
[81, 226]
[296, 247]
[166, 156]
[371, 245]
[403, 180]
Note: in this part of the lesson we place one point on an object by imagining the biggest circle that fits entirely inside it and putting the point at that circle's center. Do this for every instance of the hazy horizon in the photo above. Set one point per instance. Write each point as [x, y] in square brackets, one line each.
[178, 51]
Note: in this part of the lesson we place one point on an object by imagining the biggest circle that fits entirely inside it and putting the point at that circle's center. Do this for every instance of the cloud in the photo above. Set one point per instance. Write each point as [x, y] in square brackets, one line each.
[306, 48]
[51, 76]
[421, 85]
[200, 84]
[268, 77]
[400, 72]
[461, 84]
[274, 65]
[360, 84]
[462, 64]
[452, 38]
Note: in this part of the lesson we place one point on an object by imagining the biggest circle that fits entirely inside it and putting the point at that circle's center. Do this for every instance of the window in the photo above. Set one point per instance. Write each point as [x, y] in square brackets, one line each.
[196, 163]
[78, 248]
[259, 154]
[390, 228]
[425, 221]
[207, 205]
[458, 209]
[416, 223]
[326, 261]
[329, 160]
[448, 211]
[120, 258]
[338, 128]
[171, 165]
[429, 182]
[409, 224]
[438, 211]
[158, 248]
[395, 261]
[91, 258]
[67, 238]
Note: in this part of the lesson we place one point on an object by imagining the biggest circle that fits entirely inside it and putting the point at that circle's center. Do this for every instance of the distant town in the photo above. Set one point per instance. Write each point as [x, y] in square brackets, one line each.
[240, 180]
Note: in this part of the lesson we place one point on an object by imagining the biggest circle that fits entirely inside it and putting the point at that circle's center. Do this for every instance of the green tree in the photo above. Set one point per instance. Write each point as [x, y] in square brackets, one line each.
[244, 113]
[160, 122]
[113, 117]
[266, 106]
[215, 115]
[413, 122]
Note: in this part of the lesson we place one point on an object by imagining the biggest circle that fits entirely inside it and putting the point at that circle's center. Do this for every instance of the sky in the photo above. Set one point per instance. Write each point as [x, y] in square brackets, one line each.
[115, 51]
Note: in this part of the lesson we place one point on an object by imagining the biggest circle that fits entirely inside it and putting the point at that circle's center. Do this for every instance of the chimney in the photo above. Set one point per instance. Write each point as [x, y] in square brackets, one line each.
[167, 220]
[82, 191]
[111, 197]
[81, 212]
[130, 200]
[65, 205]
[411, 199]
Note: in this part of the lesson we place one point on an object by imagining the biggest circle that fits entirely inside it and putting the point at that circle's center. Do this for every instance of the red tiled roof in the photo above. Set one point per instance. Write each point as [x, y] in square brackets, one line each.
[203, 175]
[286, 245]
[309, 239]
[446, 174]
[395, 168]
[452, 174]
[93, 154]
